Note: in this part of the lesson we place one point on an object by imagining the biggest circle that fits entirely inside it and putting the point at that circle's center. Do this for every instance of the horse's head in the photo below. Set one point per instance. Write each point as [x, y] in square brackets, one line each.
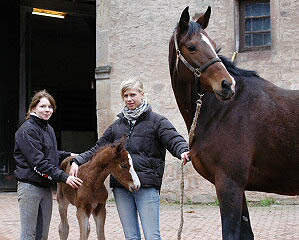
[196, 56]
[123, 169]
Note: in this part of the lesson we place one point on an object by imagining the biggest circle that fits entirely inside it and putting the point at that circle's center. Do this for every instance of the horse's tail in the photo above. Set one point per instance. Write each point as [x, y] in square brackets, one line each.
[65, 162]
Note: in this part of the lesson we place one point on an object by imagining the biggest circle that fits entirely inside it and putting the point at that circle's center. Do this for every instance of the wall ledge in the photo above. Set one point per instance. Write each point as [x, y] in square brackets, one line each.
[103, 72]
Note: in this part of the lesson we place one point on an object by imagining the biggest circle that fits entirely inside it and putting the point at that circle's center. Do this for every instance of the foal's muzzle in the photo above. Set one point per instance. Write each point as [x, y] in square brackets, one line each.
[134, 188]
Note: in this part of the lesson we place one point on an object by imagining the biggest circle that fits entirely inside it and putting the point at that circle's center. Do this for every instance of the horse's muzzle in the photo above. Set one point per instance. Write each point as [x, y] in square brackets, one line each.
[134, 188]
[227, 92]
[225, 95]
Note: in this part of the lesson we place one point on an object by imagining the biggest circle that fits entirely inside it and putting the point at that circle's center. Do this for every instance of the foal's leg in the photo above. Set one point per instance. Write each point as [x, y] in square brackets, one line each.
[246, 231]
[62, 207]
[230, 196]
[99, 215]
[83, 219]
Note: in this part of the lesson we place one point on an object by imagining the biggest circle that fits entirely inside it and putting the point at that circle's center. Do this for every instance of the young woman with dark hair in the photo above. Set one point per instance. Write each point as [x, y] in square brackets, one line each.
[37, 167]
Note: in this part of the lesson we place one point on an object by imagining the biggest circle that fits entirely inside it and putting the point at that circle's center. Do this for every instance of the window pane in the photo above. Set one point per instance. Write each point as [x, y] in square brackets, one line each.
[255, 28]
[248, 40]
[266, 9]
[266, 24]
[248, 25]
[257, 24]
[248, 10]
[267, 39]
[257, 39]
[257, 9]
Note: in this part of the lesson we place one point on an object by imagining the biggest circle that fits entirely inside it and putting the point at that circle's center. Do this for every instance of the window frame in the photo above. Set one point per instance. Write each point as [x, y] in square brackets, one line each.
[242, 21]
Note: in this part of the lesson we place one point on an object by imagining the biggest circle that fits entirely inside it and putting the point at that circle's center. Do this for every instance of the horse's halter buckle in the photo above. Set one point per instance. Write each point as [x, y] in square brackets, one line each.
[196, 71]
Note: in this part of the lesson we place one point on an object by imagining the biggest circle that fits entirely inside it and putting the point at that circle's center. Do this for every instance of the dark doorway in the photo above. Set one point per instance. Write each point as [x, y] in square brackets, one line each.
[53, 54]
[63, 61]
[9, 78]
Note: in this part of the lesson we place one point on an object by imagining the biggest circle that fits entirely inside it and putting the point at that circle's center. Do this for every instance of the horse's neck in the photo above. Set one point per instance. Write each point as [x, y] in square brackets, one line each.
[211, 107]
[97, 172]
[214, 110]
[181, 91]
[186, 97]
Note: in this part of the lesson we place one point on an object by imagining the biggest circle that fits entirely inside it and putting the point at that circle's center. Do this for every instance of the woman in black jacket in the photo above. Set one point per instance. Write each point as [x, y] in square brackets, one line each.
[37, 167]
[149, 135]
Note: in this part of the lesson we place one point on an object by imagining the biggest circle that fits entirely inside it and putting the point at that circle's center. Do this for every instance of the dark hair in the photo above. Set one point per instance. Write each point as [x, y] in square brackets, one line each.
[36, 99]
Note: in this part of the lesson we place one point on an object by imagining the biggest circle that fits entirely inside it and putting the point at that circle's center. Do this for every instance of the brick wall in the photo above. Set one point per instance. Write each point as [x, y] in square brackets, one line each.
[133, 36]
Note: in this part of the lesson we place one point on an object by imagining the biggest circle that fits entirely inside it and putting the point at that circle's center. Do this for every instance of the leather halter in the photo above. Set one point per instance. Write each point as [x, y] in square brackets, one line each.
[197, 71]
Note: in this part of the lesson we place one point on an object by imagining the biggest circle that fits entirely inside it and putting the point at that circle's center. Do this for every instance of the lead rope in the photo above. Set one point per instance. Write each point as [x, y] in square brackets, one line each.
[191, 135]
[194, 123]
[181, 201]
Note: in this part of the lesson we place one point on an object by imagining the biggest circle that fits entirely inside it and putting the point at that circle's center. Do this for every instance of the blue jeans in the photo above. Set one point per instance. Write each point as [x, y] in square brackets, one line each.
[146, 204]
[35, 204]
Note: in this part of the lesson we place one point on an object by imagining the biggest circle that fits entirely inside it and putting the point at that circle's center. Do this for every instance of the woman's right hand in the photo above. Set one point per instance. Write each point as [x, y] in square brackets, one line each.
[74, 170]
[74, 182]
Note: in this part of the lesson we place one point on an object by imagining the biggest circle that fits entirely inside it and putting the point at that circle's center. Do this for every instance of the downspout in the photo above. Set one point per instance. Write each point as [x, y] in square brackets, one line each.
[236, 31]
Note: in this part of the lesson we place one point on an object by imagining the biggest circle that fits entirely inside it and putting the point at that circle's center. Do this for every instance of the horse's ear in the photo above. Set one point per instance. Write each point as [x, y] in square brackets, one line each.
[184, 20]
[121, 144]
[203, 20]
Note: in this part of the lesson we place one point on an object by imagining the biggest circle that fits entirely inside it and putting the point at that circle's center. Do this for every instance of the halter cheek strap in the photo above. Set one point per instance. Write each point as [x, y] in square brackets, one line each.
[196, 71]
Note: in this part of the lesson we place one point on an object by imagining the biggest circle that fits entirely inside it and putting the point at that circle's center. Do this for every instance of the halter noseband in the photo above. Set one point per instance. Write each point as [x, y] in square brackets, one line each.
[197, 71]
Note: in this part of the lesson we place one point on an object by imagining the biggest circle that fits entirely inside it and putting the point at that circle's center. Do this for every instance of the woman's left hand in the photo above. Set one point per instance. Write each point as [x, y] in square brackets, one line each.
[185, 157]
[74, 169]
[74, 182]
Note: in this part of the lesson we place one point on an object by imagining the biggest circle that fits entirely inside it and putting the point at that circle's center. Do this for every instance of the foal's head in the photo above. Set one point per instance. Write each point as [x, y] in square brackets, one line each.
[198, 49]
[121, 166]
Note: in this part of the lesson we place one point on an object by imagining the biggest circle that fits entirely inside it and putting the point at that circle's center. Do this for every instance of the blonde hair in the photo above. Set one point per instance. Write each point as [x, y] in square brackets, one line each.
[131, 83]
[36, 99]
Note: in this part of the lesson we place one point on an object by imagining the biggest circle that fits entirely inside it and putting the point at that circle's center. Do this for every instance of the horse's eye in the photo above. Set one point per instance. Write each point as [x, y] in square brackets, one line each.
[191, 48]
[123, 166]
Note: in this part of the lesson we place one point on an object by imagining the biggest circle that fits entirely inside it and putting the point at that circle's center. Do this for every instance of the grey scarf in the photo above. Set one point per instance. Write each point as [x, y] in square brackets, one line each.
[134, 114]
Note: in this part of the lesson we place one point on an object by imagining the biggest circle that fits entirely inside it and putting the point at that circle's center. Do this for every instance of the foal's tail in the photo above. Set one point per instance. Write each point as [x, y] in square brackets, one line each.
[65, 162]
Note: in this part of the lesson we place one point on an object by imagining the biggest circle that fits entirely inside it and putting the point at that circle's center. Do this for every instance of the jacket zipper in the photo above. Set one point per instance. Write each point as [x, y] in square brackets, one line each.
[131, 126]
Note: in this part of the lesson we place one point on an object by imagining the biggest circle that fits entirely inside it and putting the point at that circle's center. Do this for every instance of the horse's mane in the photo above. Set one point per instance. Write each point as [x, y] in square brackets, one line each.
[232, 68]
[103, 148]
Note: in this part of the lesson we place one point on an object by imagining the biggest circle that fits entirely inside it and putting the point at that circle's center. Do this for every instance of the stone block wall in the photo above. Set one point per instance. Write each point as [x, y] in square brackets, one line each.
[132, 38]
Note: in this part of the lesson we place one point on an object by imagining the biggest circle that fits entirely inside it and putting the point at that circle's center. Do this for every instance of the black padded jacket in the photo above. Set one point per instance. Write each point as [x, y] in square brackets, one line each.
[36, 154]
[147, 142]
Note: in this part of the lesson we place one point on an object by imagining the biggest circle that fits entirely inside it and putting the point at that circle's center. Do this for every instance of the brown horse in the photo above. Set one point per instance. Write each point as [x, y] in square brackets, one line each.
[246, 136]
[90, 197]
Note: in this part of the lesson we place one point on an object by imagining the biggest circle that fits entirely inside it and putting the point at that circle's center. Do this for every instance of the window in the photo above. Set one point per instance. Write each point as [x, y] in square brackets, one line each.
[255, 25]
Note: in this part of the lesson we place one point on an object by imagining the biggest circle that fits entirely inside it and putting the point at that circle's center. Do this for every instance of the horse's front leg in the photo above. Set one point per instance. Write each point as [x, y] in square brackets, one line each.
[246, 231]
[99, 215]
[230, 196]
[63, 204]
[83, 219]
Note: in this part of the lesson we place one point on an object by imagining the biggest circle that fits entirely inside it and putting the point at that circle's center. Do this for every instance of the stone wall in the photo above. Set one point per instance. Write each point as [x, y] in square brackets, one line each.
[132, 38]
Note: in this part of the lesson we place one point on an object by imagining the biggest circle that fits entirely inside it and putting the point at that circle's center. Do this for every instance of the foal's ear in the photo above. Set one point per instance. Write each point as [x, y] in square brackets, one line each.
[121, 144]
[119, 147]
[203, 20]
[184, 20]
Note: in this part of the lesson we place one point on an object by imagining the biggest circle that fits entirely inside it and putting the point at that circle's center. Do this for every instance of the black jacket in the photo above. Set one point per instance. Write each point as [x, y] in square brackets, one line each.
[36, 154]
[147, 142]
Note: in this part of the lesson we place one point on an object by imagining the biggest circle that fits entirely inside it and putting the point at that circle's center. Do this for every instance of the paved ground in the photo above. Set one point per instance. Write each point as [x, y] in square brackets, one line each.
[278, 222]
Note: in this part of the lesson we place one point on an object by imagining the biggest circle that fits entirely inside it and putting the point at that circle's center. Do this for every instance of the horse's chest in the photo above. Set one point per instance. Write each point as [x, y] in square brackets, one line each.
[202, 169]
[92, 195]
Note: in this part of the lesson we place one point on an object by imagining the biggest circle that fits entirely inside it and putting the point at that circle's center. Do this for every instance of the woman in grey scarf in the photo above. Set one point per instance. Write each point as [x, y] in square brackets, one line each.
[149, 135]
